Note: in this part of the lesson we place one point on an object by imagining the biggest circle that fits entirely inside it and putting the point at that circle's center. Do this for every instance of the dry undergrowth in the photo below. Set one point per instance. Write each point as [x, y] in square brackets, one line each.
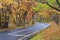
[51, 33]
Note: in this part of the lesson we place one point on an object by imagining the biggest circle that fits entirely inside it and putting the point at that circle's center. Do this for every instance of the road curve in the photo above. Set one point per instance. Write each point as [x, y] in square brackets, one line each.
[23, 33]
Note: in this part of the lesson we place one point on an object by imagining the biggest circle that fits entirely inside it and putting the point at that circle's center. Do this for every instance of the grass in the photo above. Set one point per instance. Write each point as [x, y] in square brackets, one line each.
[51, 33]
[39, 36]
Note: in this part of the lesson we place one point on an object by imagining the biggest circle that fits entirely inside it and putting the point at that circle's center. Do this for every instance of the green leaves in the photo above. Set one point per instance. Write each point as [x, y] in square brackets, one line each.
[38, 7]
[41, 6]
[51, 1]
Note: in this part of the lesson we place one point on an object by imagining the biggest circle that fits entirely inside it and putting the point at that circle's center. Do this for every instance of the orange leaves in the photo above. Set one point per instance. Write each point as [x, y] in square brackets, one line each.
[45, 13]
[8, 1]
[1, 6]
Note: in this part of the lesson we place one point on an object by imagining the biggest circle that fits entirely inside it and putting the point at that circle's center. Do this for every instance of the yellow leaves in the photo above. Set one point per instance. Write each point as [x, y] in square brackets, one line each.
[10, 1]
[2, 6]
[0, 0]
[15, 5]
[7, 1]
[44, 13]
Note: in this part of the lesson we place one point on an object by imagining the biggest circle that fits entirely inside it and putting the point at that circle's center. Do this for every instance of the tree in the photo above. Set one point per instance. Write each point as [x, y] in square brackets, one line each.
[5, 9]
[15, 10]
[55, 7]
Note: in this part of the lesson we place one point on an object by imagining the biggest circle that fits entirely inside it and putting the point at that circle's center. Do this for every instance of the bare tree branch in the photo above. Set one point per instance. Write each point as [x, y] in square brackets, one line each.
[52, 7]
[58, 2]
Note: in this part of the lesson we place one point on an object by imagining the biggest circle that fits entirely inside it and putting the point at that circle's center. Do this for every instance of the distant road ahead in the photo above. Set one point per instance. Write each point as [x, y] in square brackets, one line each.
[23, 33]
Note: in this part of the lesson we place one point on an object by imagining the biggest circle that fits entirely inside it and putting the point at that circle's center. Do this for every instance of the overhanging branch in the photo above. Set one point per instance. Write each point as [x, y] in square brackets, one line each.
[58, 2]
[53, 7]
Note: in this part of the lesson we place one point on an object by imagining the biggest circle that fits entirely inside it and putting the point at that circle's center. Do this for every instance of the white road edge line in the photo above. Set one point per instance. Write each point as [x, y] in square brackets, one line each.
[17, 35]
[19, 31]
[13, 33]
[29, 34]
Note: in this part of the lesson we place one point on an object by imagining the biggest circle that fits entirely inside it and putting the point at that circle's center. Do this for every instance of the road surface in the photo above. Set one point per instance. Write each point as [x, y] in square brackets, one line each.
[23, 33]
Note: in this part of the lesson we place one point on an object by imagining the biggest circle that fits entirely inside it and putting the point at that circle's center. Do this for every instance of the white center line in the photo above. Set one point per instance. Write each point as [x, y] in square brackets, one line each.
[17, 35]
[31, 34]
[19, 31]
[28, 35]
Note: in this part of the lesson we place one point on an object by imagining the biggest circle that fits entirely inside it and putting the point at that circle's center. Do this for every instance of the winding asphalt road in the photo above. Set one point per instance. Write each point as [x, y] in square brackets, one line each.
[23, 33]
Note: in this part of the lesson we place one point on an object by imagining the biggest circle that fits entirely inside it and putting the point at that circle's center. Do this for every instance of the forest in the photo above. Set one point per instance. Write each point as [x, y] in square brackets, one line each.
[20, 12]
[23, 13]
